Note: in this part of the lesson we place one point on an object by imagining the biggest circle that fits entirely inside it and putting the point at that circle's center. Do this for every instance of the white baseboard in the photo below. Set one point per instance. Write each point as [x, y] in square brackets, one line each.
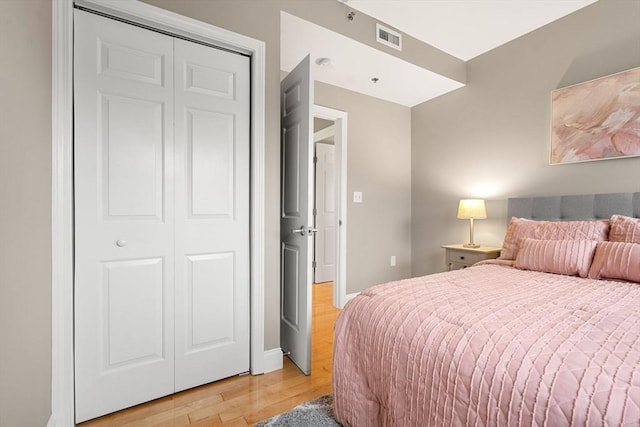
[273, 360]
[349, 297]
[52, 421]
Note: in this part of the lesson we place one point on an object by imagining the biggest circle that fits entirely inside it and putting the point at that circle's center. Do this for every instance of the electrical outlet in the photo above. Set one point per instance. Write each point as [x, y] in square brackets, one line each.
[357, 197]
[393, 261]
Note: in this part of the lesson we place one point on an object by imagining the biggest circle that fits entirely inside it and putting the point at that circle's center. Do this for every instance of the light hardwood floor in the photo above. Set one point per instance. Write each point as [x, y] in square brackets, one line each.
[246, 400]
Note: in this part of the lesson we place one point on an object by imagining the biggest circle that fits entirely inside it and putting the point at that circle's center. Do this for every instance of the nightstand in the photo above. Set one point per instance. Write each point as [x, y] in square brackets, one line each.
[457, 256]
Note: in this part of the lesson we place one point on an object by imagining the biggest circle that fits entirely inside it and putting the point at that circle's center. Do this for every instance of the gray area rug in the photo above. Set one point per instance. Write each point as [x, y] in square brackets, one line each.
[315, 413]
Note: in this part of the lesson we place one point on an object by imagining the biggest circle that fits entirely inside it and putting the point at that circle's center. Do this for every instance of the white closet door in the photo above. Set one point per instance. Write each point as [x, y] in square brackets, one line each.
[212, 214]
[124, 261]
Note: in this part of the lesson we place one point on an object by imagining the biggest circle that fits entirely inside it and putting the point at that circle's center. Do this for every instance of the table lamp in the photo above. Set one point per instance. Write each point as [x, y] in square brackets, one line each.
[471, 209]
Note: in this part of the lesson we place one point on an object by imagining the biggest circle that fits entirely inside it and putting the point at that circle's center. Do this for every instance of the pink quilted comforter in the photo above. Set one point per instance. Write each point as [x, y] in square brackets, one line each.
[490, 346]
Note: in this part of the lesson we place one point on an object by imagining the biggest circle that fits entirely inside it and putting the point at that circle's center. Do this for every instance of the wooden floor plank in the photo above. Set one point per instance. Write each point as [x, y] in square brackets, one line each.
[246, 400]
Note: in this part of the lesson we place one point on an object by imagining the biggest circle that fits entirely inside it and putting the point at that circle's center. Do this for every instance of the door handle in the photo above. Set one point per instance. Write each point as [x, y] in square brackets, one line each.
[305, 231]
[301, 231]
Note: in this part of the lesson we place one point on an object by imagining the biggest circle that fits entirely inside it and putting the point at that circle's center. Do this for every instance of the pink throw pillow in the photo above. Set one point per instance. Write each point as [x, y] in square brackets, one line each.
[570, 257]
[520, 228]
[616, 260]
[624, 229]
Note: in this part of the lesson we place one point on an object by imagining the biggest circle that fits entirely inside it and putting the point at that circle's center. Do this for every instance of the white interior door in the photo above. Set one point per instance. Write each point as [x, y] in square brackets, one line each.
[211, 214]
[161, 215]
[296, 231]
[124, 239]
[326, 214]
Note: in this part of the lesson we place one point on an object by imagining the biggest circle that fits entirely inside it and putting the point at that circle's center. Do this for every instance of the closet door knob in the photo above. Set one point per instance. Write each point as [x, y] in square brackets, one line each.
[121, 242]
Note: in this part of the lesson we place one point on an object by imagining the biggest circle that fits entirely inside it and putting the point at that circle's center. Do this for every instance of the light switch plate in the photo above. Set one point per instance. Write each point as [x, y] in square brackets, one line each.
[357, 197]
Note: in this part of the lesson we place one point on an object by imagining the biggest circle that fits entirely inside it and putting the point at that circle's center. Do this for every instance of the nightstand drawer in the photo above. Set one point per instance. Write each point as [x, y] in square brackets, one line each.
[456, 266]
[466, 258]
[459, 256]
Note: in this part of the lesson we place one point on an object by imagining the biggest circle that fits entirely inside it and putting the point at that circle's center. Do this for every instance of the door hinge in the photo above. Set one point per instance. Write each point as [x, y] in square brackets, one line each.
[315, 159]
[315, 212]
[313, 264]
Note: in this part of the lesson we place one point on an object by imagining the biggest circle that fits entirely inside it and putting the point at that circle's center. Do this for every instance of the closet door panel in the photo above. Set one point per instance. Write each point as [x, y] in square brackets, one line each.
[210, 163]
[123, 183]
[212, 214]
[132, 312]
[132, 139]
[210, 300]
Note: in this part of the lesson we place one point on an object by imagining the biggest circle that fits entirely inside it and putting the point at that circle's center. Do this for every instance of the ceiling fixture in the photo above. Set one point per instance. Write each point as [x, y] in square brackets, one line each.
[324, 62]
[375, 79]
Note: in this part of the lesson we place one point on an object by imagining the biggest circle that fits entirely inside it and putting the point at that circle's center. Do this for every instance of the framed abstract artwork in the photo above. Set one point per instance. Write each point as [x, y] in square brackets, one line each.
[596, 120]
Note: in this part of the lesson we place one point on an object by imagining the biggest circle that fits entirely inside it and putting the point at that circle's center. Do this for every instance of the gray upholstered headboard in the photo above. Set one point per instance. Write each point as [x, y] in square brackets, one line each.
[570, 208]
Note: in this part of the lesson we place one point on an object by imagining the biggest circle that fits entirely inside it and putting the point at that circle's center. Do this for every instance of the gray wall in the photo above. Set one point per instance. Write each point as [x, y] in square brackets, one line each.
[25, 191]
[378, 165]
[490, 139]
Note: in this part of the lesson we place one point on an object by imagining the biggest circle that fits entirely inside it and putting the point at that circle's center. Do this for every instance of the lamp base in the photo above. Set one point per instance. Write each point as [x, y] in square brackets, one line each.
[471, 245]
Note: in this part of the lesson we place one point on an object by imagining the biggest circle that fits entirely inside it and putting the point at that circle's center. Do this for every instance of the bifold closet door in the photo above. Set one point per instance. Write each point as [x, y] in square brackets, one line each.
[124, 226]
[161, 169]
[211, 214]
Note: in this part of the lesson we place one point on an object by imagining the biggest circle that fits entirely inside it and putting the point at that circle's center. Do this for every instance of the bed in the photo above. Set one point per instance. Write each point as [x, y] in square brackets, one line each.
[547, 335]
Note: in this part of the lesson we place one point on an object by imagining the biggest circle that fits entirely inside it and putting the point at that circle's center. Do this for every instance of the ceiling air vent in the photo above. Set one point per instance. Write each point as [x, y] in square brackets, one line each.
[388, 37]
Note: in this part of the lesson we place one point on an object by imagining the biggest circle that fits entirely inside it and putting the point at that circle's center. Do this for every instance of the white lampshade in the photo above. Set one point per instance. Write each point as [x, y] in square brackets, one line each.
[472, 208]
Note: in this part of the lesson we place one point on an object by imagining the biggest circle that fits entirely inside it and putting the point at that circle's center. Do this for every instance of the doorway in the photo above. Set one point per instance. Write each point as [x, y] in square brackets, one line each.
[332, 124]
[325, 203]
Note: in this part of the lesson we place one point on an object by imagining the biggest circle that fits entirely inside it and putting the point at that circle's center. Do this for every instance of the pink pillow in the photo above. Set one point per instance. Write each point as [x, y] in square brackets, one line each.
[570, 257]
[520, 228]
[624, 229]
[616, 260]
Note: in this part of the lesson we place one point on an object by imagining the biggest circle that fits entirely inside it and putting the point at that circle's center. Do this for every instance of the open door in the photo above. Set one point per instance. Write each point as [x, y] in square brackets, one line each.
[296, 214]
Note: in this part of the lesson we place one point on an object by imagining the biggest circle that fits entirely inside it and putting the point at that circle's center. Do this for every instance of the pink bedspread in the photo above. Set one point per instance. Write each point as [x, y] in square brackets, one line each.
[490, 346]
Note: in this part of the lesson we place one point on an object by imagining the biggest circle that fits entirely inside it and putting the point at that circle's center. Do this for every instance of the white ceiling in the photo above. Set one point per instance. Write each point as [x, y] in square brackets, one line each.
[467, 28]
[354, 64]
[462, 28]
